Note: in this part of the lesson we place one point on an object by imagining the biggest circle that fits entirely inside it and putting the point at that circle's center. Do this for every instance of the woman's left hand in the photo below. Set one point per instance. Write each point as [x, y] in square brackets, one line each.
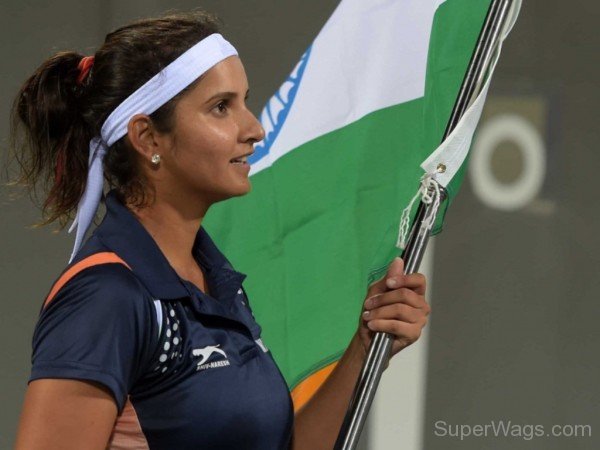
[395, 304]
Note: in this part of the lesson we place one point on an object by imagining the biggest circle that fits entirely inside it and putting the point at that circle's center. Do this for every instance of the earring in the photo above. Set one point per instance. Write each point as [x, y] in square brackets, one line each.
[155, 159]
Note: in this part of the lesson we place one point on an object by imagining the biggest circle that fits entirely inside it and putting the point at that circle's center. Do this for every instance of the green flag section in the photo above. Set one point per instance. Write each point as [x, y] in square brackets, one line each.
[346, 134]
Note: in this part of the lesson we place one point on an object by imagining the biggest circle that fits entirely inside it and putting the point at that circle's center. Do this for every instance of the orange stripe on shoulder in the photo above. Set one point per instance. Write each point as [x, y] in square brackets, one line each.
[92, 260]
[307, 388]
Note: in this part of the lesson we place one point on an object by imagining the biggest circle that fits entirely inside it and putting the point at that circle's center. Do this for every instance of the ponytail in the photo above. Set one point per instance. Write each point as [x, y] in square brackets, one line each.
[54, 116]
[50, 136]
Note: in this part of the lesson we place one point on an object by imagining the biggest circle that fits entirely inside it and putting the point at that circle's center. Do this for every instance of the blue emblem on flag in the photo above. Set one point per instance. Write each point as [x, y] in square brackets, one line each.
[275, 113]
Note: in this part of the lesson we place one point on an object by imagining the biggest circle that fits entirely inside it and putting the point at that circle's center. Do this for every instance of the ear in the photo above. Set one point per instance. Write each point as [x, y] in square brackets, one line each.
[144, 137]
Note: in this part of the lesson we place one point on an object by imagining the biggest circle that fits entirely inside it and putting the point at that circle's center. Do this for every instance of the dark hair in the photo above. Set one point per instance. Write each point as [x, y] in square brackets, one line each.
[54, 117]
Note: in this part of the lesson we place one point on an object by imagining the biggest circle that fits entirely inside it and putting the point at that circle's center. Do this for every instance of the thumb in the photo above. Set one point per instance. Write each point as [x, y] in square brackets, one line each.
[391, 280]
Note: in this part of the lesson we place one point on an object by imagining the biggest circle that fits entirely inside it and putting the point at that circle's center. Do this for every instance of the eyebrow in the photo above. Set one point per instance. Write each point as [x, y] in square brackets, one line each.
[226, 94]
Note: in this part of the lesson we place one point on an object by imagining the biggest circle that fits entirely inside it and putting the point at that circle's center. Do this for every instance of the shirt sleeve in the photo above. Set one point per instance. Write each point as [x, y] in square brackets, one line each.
[101, 327]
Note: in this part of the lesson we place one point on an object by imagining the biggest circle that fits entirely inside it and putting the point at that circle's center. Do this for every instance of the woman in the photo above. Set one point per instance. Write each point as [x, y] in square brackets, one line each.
[147, 340]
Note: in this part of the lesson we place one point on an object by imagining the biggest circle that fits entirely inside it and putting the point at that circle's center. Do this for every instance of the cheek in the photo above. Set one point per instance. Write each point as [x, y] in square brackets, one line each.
[202, 147]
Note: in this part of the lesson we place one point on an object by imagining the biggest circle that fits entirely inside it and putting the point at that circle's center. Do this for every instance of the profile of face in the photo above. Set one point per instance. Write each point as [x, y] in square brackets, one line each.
[212, 127]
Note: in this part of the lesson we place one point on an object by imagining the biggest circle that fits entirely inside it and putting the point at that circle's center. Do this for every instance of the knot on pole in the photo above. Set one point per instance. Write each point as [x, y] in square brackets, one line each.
[429, 192]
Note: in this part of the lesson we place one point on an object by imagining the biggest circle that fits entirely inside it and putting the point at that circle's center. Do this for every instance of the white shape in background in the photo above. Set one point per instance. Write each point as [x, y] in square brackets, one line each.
[515, 195]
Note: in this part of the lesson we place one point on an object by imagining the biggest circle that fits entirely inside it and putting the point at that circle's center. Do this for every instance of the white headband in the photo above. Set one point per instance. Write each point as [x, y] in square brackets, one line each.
[157, 91]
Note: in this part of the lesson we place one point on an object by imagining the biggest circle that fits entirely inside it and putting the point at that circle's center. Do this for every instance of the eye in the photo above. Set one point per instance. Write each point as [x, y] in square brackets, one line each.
[222, 106]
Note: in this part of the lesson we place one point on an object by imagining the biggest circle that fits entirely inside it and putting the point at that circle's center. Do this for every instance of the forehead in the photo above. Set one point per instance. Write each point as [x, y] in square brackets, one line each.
[227, 76]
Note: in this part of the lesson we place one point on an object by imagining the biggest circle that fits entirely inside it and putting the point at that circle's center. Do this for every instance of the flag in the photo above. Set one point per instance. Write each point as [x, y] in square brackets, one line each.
[347, 131]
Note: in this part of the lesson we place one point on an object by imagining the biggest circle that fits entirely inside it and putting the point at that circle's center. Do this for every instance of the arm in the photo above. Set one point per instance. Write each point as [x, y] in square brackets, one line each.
[90, 343]
[398, 308]
[65, 415]
[317, 423]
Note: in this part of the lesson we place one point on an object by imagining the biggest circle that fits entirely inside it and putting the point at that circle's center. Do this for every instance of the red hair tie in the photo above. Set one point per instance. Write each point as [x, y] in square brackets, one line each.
[84, 67]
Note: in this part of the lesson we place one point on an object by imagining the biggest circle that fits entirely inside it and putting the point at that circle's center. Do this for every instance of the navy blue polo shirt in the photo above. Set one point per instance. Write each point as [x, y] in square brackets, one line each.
[187, 370]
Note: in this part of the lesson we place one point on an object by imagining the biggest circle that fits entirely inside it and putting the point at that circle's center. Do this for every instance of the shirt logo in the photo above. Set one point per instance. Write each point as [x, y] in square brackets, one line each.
[205, 353]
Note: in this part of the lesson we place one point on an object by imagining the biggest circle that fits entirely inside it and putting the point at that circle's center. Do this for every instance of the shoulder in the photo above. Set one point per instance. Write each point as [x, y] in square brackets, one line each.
[100, 325]
[102, 277]
[100, 302]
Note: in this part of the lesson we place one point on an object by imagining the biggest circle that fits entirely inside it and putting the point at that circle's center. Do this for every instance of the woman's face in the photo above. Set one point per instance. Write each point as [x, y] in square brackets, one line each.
[212, 127]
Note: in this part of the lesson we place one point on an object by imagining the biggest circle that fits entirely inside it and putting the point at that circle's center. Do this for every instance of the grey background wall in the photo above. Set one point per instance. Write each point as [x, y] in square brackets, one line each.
[514, 332]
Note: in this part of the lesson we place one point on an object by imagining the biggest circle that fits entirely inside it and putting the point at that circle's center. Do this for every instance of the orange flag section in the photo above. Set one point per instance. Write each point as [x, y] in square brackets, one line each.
[307, 387]
[92, 260]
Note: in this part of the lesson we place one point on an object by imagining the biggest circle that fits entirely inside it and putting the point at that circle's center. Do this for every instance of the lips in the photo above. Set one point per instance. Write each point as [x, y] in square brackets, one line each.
[242, 159]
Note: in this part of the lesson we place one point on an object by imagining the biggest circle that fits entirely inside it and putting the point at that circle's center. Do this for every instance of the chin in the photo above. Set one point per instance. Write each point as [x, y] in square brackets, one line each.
[243, 190]
[238, 192]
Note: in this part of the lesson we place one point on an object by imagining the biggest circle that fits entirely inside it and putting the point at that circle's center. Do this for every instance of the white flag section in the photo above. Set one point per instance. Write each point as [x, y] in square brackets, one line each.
[347, 74]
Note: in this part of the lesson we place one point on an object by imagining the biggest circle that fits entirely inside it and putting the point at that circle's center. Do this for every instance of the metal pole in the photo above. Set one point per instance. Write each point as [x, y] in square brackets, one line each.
[380, 347]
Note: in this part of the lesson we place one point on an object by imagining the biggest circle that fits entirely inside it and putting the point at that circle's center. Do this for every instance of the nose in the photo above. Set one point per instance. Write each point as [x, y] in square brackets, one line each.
[253, 130]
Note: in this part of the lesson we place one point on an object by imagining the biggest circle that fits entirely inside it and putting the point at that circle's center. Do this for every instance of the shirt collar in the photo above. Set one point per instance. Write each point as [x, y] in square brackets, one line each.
[122, 233]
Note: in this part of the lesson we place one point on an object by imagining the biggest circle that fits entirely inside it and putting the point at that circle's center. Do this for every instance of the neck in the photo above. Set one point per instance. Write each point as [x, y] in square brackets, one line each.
[173, 225]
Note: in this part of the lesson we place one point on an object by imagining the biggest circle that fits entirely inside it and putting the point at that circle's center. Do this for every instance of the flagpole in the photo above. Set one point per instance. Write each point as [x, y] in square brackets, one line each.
[381, 344]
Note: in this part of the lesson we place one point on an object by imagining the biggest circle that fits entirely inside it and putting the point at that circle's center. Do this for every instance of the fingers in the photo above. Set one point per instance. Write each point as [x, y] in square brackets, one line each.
[396, 305]
[396, 312]
[403, 331]
[395, 278]
[416, 281]
[401, 295]
[395, 271]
